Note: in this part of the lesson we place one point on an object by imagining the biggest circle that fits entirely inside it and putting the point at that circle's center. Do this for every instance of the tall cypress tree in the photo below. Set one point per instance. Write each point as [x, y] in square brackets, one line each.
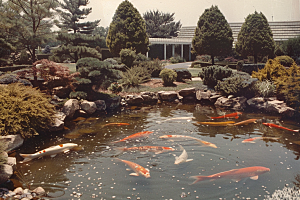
[213, 35]
[77, 44]
[127, 30]
[255, 37]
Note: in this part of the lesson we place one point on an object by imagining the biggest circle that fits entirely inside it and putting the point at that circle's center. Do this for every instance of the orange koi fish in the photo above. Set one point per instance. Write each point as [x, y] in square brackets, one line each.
[138, 169]
[280, 127]
[188, 137]
[251, 140]
[235, 174]
[216, 123]
[231, 115]
[135, 136]
[245, 122]
[116, 124]
[156, 149]
[51, 151]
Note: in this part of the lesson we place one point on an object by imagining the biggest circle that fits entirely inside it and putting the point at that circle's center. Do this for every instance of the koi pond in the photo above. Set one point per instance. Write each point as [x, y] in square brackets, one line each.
[96, 171]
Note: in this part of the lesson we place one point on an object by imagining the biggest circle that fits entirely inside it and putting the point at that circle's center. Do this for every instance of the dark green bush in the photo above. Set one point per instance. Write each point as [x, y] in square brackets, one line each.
[285, 60]
[238, 84]
[134, 76]
[212, 74]
[182, 74]
[24, 110]
[168, 76]
[249, 68]
[78, 95]
[115, 88]
[177, 59]
[141, 57]
[239, 65]
[24, 57]
[154, 67]
[127, 57]
[111, 61]
[13, 78]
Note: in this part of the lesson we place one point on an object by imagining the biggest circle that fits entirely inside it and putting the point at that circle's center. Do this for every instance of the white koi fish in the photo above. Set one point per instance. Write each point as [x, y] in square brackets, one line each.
[51, 151]
[183, 157]
[138, 169]
[176, 118]
[171, 137]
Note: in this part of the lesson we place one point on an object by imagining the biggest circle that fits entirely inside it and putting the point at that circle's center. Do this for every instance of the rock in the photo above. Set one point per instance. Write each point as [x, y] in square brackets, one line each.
[12, 161]
[57, 125]
[256, 102]
[187, 92]
[60, 115]
[167, 96]
[39, 191]
[88, 107]
[149, 97]
[12, 141]
[61, 92]
[113, 103]
[214, 98]
[70, 107]
[6, 171]
[101, 106]
[238, 103]
[201, 95]
[188, 99]
[18, 190]
[134, 99]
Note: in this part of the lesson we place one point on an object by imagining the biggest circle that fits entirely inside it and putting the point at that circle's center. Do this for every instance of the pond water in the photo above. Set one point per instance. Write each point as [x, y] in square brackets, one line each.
[94, 171]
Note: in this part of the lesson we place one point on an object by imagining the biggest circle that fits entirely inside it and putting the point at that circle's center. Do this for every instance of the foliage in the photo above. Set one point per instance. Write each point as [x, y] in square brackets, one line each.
[78, 95]
[24, 110]
[238, 84]
[153, 67]
[212, 74]
[285, 60]
[13, 78]
[182, 74]
[278, 50]
[161, 25]
[3, 159]
[70, 13]
[291, 47]
[141, 57]
[111, 61]
[255, 37]
[213, 34]
[127, 56]
[168, 76]
[47, 50]
[127, 30]
[24, 57]
[249, 68]
[239, 65]
[134, 76]
[115, 87]
[177, 59]
[265, 88]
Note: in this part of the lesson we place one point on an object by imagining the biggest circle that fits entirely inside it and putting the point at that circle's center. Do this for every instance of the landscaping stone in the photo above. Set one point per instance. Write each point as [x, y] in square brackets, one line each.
[61, 92]
[187, 92]
[113, 103]
[6, 171]
[167, 96]
[88, 107]
[238, 103]
[201, 95]
[70, 107]
[134, 99]
[149, 97]
[57, 125]
[12, 141]
[101, 106]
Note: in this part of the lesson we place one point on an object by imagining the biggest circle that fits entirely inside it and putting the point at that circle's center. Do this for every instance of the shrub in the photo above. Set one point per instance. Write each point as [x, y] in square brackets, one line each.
[127, 57]
[47, 49]
[168, 76]
[134, 76]
[210, 75]
[3, 159]
[265, 88]
[24, 110]
[111, 61]
[24, 57]
[154, 67]
[239, 65]
[141, 57]
[204, 58]
[239, 84]
[13, 78]
[285, 60]
[182, 74]
[177, 59]
[78, 95]
[115, 88]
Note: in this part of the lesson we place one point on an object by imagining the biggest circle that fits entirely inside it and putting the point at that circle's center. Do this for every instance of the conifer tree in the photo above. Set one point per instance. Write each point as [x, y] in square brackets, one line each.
[255, 37]
[127, 30]
[161, 25]
[213, 35]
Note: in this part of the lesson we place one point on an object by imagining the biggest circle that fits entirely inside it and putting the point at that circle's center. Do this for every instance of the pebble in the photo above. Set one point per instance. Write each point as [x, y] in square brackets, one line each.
[19, 193]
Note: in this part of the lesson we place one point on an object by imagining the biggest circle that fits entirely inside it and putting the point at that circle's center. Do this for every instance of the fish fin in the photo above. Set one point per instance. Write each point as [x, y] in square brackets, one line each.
[236, 180]
[147, 169]
[67, 150]
[52, 156]
[134, 174]
[254, 177]
[199, 178]
[119, 149]
[27, 157]
[158, 152]
[188, 160]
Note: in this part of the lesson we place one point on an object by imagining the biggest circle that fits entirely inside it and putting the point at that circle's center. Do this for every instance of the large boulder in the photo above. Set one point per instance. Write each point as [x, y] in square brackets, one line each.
[167, 96]
[12, 141]
[203, 95]
[149, 97]
[238, 103]
[6, 171]
[134, 99]
[101, 106]
[113, 103]
[88, 107]
[70, 107]
[187, 92]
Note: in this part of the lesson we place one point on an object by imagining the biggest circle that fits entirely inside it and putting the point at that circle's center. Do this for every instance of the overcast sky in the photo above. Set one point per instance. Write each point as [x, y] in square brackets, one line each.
[189, 11]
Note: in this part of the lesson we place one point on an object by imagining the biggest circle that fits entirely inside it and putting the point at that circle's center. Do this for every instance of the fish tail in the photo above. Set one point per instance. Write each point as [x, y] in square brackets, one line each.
[296, 131]
[199, 178]
[27, 157]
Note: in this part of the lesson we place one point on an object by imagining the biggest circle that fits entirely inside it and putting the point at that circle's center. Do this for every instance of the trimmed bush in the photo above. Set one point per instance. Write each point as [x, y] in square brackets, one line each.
[212, 74]
[127, 57]
[285, 60]
[177, 59]
[168, 76]
[183, 74]
[24, 110]
[78, 95]
[249, 68]
[265, 88]
[141, 57]
[13, 78]
[135, 76]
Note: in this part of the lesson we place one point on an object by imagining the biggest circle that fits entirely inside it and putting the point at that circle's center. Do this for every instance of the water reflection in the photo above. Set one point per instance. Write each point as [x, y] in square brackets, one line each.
[95, 173]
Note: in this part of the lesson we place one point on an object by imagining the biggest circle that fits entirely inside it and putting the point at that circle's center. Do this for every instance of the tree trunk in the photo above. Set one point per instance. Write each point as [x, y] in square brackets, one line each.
[212, 59]
[255, 58]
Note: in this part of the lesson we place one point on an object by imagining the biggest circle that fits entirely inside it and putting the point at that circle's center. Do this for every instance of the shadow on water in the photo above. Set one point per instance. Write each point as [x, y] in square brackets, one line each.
[94, 172]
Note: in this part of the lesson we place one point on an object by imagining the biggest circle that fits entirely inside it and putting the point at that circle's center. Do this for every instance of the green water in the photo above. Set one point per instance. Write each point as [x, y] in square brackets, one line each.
[95, 173]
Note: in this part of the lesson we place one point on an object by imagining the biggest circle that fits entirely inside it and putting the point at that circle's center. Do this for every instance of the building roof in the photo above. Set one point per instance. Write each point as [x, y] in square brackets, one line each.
[281, 31]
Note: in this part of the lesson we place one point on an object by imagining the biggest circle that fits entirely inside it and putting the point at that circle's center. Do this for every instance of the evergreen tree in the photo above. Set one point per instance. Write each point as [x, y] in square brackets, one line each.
[213, 35]
[127, 30]
[161, 25]
[255, 37]
[79, 43]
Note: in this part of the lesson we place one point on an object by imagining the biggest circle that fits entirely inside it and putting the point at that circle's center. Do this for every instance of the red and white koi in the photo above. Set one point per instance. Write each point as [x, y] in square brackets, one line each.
[116, 124]
[138, 169]
[171, 137]
[183, 157]
[251, 140]
[280, 127]
[135, 136]
[155, 149]
[231, 115]
[235, 174]
[51, 151]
